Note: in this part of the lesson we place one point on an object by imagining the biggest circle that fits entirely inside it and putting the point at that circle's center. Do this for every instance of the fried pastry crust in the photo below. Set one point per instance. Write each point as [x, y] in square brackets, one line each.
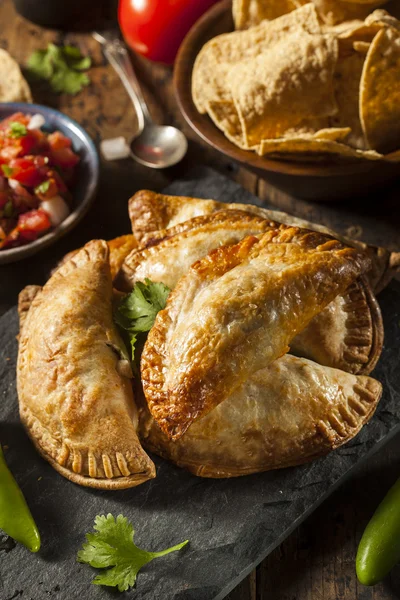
[75, 396]
[150, 213]
[234, 313]
[291, 412]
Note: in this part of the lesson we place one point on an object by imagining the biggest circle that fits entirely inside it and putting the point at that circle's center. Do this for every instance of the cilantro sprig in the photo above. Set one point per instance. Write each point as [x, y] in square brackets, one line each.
[62, 67]
[136, 312]
[111, 548]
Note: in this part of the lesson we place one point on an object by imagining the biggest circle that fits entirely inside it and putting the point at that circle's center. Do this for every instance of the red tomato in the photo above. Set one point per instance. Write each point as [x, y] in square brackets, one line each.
[25, 171]
[156, 28]
[57, 141]
[34, 221]
[64, 158]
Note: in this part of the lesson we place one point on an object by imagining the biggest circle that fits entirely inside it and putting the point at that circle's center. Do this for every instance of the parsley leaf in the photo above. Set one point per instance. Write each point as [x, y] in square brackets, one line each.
[8, 171]
[62, 66]
[42, 188]
[111, 547]
[17, 129]
[137, 311]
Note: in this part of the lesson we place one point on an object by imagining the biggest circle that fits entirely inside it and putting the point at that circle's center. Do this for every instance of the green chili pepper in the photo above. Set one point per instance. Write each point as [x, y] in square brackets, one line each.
[379, 549]
[15, 517]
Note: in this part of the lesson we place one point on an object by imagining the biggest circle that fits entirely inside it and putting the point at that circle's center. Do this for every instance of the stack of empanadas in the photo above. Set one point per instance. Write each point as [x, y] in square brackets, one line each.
[260, 359]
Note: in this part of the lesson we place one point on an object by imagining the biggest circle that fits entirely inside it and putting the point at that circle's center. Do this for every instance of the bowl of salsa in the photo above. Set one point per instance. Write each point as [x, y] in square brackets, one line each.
[49, 171]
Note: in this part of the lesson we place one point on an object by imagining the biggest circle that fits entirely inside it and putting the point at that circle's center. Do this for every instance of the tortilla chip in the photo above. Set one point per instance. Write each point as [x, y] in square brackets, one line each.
[298, 146]
[284, 85]
[251, 12]
[362, 47]
[337, 11]
[13, 86]
[226, 118]
[347, 85]
[380, 92]
[217, 57]
[336, 134]
[393, 156]
[382, 18]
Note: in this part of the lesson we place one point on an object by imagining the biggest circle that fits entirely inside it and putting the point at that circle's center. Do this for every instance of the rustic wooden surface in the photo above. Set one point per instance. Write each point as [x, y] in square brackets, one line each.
[317, 561]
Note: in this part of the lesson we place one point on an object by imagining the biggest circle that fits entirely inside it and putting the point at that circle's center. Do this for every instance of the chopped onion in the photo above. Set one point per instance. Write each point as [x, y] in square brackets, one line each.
[56, 208]
[115, 148]
[37, 121]
[13, 183]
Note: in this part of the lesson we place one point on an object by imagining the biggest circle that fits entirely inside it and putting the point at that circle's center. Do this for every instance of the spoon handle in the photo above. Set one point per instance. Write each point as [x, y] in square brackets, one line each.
[117, 55]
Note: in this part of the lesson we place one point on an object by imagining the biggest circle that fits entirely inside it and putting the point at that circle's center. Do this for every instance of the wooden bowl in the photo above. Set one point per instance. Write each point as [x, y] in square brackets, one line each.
[333, 180]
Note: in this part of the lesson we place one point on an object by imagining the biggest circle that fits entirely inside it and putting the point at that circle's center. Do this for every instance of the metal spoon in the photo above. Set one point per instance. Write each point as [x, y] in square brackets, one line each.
[155, 146]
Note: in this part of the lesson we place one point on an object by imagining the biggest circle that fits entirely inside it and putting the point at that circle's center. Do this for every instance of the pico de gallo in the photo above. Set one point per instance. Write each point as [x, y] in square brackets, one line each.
[37, 171]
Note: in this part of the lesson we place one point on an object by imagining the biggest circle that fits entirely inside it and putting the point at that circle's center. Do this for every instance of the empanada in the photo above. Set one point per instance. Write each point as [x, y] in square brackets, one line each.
[73, 378]
[150, 212]
[293, 411]
[167, 259]
[347, 334]
[119, 248]
[235, 312]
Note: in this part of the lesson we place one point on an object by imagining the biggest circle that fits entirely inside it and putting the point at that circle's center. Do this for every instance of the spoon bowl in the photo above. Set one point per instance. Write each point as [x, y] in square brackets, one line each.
[159, 146]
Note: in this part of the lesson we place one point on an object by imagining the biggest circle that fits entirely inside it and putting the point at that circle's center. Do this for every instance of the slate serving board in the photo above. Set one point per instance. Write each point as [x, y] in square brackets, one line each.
[231, 524]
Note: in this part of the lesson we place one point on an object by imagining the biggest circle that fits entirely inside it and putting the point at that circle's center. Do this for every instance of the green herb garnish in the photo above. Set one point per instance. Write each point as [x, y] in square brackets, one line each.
[17, 130]
[42, 188]
[62, 66]
[111, 547]
[8, 209]
[8, 171]
[137, 312]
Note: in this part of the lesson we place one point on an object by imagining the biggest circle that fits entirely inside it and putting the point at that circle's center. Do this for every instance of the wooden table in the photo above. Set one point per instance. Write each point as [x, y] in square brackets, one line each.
[317, 561]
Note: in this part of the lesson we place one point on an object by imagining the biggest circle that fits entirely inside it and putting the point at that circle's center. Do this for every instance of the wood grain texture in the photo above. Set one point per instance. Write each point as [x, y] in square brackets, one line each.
[317, 561]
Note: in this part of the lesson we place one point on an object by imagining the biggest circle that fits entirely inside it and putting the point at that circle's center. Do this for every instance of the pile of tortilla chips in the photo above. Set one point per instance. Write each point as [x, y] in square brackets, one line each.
[13, 86]
[301, 88]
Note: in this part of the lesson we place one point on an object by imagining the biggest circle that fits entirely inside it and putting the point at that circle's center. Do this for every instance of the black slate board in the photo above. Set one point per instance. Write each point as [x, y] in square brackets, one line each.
[231, 524]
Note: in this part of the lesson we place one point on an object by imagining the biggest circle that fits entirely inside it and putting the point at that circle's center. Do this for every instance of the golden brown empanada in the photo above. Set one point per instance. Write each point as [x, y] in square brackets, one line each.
[235, 312]
[293, 411]
[150, 212]
[167, 259]
[119, 248]
[74, 390]
[347, 334]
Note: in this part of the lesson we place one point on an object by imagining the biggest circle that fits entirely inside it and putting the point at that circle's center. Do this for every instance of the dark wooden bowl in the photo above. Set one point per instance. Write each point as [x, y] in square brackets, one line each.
[333, 180]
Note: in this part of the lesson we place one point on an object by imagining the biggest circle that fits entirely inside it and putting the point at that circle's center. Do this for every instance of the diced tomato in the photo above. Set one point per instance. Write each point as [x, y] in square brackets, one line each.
[51, 189]
[14, 147]
[35, 221]
[25, 171]
[59, 180]
[64, 158]
[58, 141]
[28, 159]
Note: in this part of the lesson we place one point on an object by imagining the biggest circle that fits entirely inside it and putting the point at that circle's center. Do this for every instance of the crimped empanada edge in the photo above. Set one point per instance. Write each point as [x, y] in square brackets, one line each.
[335, 441]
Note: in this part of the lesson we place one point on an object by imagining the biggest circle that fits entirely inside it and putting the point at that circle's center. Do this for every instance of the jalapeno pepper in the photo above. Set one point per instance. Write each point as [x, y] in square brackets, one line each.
[379, 549]
[15, 517]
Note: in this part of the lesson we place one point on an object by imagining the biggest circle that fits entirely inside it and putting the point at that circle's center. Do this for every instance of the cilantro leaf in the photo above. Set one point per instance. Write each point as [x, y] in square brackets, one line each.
[137, 311]
[42, 188]
[8, 171]
[111, 548]
[8, 209]
[62, 67]
[17, 129]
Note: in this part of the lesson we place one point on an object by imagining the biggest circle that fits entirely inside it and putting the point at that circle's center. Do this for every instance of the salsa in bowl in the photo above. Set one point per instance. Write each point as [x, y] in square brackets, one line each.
[49, 173]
